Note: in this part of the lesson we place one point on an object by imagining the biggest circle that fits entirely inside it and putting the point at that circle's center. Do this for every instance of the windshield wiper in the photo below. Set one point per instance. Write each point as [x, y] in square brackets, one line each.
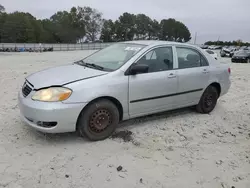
[95, 66]
[92, 65]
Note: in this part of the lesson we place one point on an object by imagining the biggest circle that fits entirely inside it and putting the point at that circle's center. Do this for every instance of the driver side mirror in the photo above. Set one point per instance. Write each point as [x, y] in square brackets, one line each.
[139, 68]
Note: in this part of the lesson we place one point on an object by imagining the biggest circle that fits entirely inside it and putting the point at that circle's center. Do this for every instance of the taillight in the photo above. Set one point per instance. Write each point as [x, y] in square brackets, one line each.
[229, 70]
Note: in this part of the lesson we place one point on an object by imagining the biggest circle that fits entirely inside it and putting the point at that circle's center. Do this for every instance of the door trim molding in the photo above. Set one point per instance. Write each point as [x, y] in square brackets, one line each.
[165, 96]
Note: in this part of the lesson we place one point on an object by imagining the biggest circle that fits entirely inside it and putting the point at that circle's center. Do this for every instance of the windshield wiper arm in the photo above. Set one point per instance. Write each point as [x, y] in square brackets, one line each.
[95, 66]
[90, 65]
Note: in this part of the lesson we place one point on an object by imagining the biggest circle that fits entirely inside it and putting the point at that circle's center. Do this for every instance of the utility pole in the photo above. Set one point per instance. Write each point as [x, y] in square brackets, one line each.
[218, 40]
[195, 37]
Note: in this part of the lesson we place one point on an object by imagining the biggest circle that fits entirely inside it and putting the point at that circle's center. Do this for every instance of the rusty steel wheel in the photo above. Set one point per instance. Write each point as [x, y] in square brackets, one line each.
[208, 100]
[100, 120]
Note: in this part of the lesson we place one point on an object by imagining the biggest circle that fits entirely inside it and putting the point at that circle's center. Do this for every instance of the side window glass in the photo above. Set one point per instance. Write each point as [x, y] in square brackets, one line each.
[188, 58]
[159, 59]
[151, 55]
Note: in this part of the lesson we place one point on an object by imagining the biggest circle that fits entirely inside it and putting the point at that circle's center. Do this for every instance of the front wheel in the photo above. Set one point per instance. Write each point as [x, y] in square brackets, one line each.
[208, 100]
[99, 120]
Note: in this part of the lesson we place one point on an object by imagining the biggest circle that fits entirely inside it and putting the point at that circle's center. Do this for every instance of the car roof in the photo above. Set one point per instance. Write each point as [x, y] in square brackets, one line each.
[155, 42]
[152, 43]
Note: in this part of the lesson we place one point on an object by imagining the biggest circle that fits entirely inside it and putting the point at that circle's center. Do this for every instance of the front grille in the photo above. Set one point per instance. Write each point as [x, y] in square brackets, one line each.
[26, 89]
[46, 124]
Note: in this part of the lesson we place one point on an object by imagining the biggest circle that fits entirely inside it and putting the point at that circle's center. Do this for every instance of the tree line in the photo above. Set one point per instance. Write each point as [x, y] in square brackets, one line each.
[81, 24]
[228, 43]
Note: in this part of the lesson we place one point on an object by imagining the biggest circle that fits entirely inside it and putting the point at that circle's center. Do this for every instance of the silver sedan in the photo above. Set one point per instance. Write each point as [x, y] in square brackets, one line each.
[123, 81]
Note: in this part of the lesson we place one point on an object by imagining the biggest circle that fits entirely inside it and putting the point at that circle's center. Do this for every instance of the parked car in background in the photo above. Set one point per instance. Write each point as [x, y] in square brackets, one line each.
[217, 47]
[223, 52]
[98, 41]
[242, 56]
[243, 48]
[213, 54]
[227, 52]
[120, 82]
[214, 47]
[233, 51]
[211, 47]
[247, 48]
[22, 49]
[204, 46]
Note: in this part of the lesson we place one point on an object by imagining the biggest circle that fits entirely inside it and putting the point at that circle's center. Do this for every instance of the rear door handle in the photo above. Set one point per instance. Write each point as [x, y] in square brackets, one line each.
[205, 71]
[171, 75]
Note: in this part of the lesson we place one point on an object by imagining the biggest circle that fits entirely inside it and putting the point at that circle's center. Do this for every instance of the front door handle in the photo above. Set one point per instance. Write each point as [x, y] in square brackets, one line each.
[171, 75]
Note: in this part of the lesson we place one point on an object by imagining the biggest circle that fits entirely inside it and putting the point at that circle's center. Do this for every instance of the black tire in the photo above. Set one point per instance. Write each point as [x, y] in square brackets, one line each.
[208, 100]
[99, 120]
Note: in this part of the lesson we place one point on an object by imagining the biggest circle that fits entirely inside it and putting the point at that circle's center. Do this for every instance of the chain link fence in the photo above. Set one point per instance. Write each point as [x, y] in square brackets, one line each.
[56, 47]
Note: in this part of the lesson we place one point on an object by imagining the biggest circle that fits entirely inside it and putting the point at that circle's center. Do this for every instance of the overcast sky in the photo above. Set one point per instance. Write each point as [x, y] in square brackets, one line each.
[211, 19]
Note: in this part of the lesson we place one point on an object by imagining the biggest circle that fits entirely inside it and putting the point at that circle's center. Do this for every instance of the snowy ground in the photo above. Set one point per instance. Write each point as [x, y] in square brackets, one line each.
[179, 149]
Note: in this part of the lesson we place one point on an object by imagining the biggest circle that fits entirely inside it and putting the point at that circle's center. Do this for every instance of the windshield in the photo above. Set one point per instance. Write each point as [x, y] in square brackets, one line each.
[114, 56]
[241, 53]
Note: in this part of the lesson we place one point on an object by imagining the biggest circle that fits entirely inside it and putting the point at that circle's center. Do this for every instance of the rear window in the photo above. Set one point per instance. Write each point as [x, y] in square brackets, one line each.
[189, 58]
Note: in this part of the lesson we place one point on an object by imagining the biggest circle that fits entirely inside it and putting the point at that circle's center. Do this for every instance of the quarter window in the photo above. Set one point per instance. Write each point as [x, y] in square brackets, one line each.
[189, 58]
[203, 61]
[159, 59]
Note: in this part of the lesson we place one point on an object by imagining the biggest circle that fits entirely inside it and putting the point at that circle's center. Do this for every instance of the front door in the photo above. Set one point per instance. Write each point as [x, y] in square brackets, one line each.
[153, 91]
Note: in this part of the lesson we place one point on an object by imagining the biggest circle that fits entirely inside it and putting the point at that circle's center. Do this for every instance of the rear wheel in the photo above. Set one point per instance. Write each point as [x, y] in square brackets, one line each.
[208, 100]
[99, 120]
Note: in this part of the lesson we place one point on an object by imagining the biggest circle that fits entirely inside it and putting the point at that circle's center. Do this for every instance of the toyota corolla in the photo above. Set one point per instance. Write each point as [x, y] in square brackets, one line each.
[123, 81]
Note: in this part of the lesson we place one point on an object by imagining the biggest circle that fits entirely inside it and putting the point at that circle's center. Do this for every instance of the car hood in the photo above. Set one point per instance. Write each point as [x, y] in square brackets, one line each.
[227, 50]
[240, 55]
[62, 75]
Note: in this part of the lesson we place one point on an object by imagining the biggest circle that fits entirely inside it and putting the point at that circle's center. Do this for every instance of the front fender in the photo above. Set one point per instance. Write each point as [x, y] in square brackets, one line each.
[110, 85]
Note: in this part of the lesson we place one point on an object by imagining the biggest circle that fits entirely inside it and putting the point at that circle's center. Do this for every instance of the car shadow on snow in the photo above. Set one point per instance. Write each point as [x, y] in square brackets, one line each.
[123, 130]
[140, 121]
[58, 137]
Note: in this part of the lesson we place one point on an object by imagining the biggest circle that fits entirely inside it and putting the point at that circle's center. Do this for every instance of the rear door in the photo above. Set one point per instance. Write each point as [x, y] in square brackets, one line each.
[153, 91]
[193, 75]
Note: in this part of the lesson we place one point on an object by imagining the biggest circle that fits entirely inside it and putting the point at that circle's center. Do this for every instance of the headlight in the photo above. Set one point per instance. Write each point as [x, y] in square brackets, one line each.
[53, 94]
